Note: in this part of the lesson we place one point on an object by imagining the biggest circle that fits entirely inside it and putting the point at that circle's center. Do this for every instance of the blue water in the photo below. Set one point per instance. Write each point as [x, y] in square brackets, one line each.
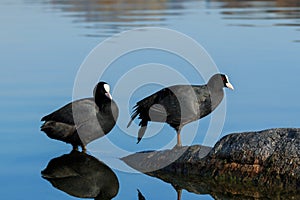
[44, 43]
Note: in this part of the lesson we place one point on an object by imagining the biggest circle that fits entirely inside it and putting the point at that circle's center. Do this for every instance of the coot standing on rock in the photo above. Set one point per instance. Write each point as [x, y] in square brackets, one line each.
[84, 120]
[179, 105]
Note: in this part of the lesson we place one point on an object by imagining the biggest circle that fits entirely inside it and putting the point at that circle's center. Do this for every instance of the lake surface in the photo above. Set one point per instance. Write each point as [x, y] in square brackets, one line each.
[44, 43]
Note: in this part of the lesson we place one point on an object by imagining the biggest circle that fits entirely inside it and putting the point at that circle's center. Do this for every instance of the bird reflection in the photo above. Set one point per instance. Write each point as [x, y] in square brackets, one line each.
[82, 175]
[140, 195]
[178, 191]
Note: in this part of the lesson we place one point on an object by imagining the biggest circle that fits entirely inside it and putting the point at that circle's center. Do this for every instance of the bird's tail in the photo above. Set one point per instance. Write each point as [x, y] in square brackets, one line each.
[142, 131]
[133, 116]
[143, 123]
[140, 195]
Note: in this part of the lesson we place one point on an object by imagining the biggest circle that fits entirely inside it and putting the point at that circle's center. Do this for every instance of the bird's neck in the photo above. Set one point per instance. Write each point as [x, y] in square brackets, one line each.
[101, 101]
[216, 96]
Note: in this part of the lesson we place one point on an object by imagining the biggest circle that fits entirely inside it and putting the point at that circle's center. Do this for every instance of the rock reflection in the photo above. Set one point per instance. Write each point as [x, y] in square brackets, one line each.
[111, 16]
[258, 3]
[246, 12]
[261, 10]
[82, 175]
[221, 190]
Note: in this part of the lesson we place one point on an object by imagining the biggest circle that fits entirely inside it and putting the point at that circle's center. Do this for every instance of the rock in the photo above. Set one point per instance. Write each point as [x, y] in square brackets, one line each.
[269, 159]
[266, 157]
[149, 161]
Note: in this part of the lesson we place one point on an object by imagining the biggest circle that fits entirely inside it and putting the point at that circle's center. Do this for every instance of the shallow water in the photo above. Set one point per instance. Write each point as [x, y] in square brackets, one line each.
[43, 44]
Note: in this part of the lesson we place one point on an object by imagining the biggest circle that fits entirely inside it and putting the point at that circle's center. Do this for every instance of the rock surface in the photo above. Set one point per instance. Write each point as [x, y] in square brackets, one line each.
[269, 159]
[168, 160]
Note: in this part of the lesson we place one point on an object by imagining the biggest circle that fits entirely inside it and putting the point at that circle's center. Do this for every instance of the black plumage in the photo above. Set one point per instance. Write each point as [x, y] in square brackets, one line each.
[84, 120]
[179, 105]
[140, 195]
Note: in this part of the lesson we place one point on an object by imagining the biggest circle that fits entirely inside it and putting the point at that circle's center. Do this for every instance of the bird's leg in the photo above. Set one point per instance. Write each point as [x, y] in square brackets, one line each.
[179, 192]
[178, 138]
[83, 148]
[75, 147]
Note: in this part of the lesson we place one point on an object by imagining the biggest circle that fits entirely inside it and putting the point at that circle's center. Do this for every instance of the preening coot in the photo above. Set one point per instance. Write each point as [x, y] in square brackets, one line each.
[84, 120]
[179, 105]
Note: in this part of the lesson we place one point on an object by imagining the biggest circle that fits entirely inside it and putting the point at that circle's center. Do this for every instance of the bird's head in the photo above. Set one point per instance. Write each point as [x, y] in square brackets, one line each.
[102, 89]
[226, 82]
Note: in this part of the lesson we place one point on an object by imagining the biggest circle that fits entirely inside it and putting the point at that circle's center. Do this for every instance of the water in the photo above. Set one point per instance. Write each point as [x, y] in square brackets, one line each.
[43, 43]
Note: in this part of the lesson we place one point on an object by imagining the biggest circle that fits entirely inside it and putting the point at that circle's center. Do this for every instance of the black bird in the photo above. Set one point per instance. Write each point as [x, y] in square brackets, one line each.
[179, 105]
[140, 195]
[84, 120]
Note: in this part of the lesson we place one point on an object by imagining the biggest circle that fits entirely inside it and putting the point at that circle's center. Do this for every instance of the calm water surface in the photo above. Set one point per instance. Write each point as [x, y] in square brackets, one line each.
[43, 43]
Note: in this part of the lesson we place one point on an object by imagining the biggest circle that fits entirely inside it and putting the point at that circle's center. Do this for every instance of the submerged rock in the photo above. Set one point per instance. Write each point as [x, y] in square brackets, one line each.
[269, 158]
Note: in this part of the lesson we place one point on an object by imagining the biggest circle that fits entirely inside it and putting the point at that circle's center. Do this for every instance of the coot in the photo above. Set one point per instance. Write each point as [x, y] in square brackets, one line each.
[84, 120]
[179, 105]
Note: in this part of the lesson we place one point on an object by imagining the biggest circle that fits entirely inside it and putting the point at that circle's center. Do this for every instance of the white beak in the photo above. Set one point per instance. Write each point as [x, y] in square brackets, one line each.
[108, 95]
[229, 86]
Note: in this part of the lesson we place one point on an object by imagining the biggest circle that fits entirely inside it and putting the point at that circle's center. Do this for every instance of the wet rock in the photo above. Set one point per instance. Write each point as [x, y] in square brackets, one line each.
[170, 160]
[269, 158]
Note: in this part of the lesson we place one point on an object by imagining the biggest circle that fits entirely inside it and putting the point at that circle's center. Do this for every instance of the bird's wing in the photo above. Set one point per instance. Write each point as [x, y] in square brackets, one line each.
[171, 104]
[158, 113]
[182, 105]
[204, 100]
[78, 111]
[142, 108]
[63, 115]
[189, 103]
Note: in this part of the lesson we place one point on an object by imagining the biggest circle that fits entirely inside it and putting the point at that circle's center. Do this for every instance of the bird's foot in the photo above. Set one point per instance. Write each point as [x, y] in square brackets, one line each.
[177, 146]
